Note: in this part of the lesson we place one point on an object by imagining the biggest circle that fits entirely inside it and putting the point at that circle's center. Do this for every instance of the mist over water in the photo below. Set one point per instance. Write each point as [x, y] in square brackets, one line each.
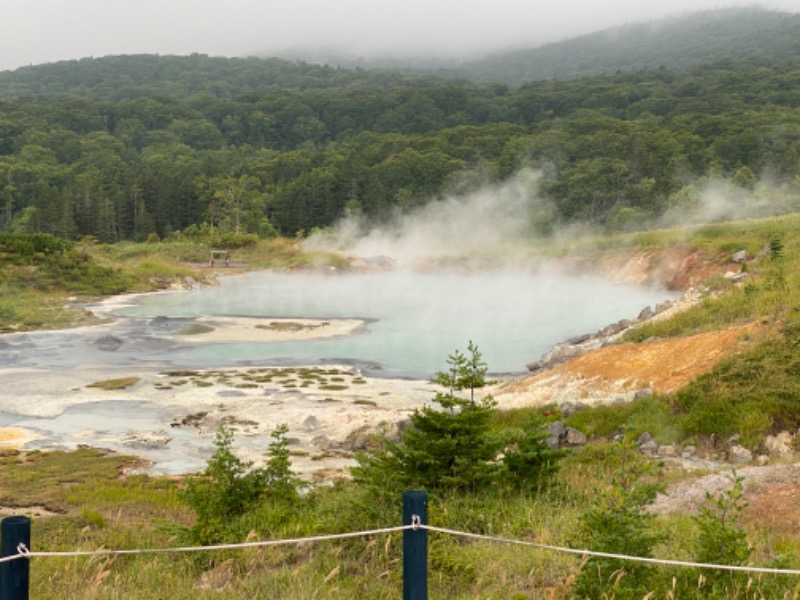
[418, 313]
[414, 320]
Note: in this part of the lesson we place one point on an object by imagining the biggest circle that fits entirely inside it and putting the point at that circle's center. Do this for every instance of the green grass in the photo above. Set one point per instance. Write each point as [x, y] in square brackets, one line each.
[751, 394]
[101, 509]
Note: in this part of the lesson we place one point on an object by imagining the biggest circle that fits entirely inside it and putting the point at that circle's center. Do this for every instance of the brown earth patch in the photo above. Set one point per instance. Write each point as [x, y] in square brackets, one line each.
[663, 366]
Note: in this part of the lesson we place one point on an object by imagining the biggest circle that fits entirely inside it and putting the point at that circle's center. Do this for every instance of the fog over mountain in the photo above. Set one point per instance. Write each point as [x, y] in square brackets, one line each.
[39, 31]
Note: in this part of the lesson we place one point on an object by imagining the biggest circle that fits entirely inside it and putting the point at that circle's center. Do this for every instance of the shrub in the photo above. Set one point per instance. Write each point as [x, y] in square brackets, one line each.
[229, 488]
[619, 523]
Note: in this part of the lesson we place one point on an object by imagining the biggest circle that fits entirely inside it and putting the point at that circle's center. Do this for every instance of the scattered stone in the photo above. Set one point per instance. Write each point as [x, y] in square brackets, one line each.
[643, 393]
[614, 328]
[323, 442]
[574, 437]
[740, 256]
[570, 408]
[649, 447]
[557, 429]
[146, 440]
[664, 306]
[579, 339]
[108, 343]
[780, 444]
[311, 423]
[739, 454]
[534, 366]
[689, 452]
[644, 438]
[646, 313]
[668, 450]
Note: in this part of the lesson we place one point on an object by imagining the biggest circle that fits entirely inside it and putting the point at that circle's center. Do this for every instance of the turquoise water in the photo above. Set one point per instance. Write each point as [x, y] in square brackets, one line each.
[414, 321]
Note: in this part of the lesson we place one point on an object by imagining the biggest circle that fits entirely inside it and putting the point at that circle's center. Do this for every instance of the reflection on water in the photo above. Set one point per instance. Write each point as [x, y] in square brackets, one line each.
[416, 320]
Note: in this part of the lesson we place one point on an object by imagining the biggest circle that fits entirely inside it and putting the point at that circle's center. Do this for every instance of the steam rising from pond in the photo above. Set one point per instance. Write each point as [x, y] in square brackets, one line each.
[490, 220]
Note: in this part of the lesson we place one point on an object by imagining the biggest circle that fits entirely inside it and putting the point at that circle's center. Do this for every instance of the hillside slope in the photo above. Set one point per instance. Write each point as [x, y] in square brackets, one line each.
[677, 43]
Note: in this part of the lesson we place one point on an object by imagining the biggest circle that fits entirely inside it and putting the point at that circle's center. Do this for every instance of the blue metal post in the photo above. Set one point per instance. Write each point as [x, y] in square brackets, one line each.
[14, 574]
[415, 546]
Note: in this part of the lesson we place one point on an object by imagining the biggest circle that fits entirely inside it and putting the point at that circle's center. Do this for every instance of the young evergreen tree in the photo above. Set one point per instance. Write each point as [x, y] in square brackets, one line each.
[230, 487]
[224, 492]
[280, 482]
[722, 540]
[530, 463]
[446, 447]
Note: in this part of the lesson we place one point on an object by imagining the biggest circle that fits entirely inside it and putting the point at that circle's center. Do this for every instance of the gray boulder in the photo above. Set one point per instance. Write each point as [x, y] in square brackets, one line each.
[650, 447]
[739, 454]
[646, 313]
[574, 437]
[740, 256]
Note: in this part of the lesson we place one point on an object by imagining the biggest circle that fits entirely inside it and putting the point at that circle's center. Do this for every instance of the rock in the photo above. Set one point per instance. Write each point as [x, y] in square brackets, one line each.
[649, 447]
[664, 306]
[780, 444]
[643, 393]
[689, 452]
[557, 429]
[534, 366]
[108, 343]
[573, 437]
[740, 256]
[646, 313]
[734, 277]
[615, 328]
[668, 450]
[311, 423]
[739, 454]
[579, 339]
[323, 442]
[562, 354]
[557, 432]
[644, 438]
[569, 408]
[762, 459]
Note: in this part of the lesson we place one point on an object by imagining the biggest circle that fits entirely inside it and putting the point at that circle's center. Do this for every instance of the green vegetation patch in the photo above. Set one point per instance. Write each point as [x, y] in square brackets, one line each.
[115, 384]
[195, 329]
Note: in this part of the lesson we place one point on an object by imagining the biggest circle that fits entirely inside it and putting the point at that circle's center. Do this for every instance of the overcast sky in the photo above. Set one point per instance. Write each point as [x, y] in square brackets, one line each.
[38, 31]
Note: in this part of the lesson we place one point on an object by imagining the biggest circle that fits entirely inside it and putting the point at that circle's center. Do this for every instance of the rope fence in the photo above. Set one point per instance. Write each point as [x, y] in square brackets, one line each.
[16, 546]
[23, 552]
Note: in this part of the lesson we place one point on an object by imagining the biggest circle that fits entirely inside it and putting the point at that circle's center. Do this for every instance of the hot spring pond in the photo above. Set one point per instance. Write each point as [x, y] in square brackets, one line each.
[412, 321]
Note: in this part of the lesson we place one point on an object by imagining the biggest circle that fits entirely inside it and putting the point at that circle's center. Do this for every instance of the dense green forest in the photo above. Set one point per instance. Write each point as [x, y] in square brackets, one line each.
[680, 42]
[140, 146]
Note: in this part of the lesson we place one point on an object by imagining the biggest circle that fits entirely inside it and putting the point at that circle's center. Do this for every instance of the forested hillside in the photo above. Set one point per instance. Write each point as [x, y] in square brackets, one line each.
[681, 42]
[142, 145]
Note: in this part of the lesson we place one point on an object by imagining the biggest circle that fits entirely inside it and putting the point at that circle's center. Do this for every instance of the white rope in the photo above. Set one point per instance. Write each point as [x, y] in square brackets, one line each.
[416, 525]
[659, 561]
[24, 552]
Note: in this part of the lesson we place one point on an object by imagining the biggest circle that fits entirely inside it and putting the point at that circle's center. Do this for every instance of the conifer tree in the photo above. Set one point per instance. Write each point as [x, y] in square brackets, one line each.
[446, 447]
